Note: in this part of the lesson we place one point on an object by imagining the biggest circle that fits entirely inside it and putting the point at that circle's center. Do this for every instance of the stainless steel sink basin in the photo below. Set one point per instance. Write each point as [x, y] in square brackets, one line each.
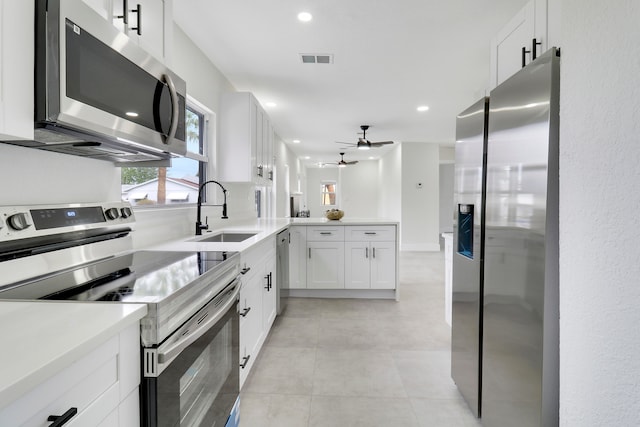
[227, 237]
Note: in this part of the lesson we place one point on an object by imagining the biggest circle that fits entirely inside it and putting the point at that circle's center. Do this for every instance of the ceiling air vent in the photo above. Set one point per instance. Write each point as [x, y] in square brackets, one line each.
[316, 58]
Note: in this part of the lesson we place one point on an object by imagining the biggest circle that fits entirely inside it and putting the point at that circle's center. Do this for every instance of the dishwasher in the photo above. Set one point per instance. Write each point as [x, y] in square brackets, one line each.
[282, 269]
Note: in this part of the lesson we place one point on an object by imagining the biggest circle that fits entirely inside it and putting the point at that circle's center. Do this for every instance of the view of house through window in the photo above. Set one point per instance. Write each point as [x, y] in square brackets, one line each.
[328, 192]
[170, 185]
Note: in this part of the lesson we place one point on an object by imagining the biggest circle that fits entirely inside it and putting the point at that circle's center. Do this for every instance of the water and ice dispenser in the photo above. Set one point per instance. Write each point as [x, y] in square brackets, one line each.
[465, 230]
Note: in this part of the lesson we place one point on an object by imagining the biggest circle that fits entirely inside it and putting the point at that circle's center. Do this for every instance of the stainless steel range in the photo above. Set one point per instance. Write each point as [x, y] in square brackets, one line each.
[189, 338]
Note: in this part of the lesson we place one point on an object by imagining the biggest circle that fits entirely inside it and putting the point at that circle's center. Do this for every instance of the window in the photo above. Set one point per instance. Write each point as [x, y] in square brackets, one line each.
[328, 193]
[177, 184]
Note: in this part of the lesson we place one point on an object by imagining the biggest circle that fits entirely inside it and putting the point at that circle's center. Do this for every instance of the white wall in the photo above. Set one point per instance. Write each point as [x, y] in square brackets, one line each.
[599, 201]
[390, 176]
[420, 206]
[360, 189]
[446, 197]
[32, 176]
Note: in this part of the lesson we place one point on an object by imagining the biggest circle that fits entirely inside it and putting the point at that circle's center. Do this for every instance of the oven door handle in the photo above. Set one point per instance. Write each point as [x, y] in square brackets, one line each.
[203, 324]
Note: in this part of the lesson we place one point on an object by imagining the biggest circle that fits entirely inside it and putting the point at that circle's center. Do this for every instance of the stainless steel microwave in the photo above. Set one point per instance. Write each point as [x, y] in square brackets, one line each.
[98, 94]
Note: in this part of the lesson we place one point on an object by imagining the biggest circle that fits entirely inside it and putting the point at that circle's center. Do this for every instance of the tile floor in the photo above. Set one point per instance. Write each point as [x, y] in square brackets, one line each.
[346, 362]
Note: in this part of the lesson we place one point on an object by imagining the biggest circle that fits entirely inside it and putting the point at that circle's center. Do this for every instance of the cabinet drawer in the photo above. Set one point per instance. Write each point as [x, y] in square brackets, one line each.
[325, 233]
[359, 233]
[90, 385]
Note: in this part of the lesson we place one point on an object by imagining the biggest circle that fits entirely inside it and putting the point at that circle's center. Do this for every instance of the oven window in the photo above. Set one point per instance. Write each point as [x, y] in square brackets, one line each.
[200, 386]
[203, 380]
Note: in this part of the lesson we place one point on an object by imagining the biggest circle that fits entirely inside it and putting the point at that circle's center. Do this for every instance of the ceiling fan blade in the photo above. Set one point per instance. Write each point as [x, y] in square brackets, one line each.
[380, 143]
[347, 143]
[351, 163]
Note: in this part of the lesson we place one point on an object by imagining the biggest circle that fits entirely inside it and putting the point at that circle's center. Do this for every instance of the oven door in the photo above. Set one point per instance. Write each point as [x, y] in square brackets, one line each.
[192, 379]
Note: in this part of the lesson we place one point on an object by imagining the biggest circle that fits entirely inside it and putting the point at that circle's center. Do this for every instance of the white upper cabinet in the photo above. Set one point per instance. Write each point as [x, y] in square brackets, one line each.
[148, 22]
[246, 138]
[16, 70]
[514, 46]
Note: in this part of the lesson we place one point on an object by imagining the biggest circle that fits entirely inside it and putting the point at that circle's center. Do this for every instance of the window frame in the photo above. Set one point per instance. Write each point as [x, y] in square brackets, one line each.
[323, 193]
[207, 145]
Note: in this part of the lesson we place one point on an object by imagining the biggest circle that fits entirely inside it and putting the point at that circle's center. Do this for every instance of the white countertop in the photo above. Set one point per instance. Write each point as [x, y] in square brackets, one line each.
[41, 338]
[263, 229]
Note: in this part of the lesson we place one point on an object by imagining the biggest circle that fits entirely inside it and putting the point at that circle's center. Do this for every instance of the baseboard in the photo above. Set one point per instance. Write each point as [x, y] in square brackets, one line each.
[343, 293]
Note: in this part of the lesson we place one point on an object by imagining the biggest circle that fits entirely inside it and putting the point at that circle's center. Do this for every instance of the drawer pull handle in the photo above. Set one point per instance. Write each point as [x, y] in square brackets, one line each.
[245, 312]
[60, 420]
[370, 233]
[366, 252]
[326, 233]
[245, 270]
[245, 360]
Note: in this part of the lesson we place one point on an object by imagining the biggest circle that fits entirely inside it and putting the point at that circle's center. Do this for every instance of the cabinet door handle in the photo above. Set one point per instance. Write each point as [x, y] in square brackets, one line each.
[309, 253]
[125, 12]
[534, 49]
[245, 360]
[138, 12]
[370, 233]
[524, 53]
[245, 312]
[245, 270]
[374, 252]
[270, 279]
[267, 277]
[60, 420]
[366, 252]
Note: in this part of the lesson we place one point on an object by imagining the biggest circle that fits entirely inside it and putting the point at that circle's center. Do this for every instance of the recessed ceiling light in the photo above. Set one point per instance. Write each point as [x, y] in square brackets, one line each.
[306, 157]
[296, 141]
[305, 16]
[423, 108]
[271, 104]
[371, 158]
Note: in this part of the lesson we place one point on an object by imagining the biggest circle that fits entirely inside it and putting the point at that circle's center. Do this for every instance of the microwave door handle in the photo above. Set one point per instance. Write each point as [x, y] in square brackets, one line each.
[166, 355]
[174, 108]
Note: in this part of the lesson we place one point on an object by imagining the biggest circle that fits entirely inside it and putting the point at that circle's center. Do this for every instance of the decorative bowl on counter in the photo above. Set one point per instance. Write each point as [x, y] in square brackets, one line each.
[334, 214]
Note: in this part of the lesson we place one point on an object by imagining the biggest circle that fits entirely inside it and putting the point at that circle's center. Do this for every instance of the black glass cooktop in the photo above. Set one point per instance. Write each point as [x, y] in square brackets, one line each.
[142, 276]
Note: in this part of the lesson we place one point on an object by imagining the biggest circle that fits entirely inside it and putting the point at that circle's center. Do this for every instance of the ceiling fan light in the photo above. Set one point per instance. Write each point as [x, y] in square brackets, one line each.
[363, 146]
[342, 165]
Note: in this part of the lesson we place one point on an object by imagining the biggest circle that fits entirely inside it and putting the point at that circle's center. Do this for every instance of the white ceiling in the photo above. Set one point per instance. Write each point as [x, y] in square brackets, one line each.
[390, 56]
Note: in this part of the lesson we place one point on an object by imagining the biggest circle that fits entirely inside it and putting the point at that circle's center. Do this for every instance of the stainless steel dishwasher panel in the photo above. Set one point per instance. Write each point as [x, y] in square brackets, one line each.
[282, 269]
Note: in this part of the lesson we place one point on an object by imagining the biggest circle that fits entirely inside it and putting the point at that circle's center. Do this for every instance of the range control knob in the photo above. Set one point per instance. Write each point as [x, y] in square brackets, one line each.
[112, 213]
[125, 212]
[19, 221]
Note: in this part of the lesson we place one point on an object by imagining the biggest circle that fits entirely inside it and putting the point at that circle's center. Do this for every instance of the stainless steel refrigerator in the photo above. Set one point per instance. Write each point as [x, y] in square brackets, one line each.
[468, 243]
[518, 284]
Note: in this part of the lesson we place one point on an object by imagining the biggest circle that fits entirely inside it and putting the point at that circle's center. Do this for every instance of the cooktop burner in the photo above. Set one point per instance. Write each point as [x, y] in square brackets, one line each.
[142, 276]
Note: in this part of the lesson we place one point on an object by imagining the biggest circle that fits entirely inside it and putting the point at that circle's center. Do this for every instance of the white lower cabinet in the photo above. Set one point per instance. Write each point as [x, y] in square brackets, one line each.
[325, 265]
[257, 302]
[356, 257]
[370, 253]
[102, 387]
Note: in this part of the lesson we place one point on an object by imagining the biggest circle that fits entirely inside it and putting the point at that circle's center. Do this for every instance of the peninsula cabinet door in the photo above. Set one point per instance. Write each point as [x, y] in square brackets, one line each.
[383, 265]
[357, 265]
[325, 265]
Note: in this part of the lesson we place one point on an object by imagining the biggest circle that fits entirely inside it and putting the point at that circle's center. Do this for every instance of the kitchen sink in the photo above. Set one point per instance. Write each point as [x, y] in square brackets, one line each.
[227, 237]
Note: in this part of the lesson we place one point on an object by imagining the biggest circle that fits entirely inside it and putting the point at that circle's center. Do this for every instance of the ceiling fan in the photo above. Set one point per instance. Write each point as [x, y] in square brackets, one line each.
[363, 143]
[342, 163]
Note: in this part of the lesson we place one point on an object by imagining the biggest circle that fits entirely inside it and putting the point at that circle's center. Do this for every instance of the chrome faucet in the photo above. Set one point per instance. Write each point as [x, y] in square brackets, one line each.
[199, 225]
